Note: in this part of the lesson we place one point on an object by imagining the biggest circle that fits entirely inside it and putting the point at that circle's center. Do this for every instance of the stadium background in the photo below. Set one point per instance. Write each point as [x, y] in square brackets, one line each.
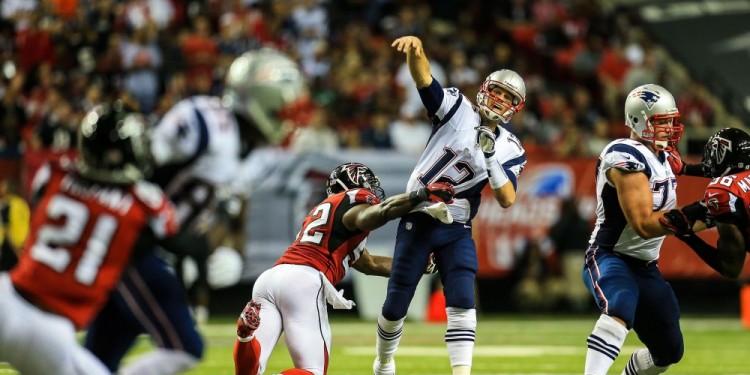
[578, 57]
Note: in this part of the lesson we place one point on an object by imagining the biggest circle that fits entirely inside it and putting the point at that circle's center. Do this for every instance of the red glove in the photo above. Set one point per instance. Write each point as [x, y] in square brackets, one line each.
[436, 192]
[675, 162]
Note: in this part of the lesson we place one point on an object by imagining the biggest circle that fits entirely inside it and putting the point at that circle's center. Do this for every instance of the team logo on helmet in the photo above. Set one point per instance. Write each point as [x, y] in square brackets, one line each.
[649, 97]
[721, 147]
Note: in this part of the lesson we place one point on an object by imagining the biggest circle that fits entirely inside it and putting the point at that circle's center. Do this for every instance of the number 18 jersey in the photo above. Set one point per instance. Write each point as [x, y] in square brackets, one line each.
[324, 243]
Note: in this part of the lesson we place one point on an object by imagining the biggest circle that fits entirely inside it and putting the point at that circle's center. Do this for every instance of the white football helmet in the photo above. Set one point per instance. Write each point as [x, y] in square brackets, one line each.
[496, 108]
[259, 85]
[648, 103]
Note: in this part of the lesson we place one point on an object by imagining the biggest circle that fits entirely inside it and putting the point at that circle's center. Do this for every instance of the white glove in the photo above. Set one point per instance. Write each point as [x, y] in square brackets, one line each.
[439, 211]
[486, 139]
[224, 267]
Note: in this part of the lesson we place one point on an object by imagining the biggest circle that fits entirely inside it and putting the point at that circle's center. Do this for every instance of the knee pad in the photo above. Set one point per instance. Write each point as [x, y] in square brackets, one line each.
[459, 288]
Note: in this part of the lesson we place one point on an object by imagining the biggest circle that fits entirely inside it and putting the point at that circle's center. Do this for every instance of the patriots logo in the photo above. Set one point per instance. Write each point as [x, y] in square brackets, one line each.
[649, 97]
[721, 147]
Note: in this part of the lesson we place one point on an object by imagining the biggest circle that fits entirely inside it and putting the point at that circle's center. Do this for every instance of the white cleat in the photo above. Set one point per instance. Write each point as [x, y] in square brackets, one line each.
[379, 368]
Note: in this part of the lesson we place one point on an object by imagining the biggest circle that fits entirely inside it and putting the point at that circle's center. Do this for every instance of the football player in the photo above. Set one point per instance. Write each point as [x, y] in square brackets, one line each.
[89, 221]
[726, 204]
[467, 149]
[291, 296]
[197, 147]
[635, 187]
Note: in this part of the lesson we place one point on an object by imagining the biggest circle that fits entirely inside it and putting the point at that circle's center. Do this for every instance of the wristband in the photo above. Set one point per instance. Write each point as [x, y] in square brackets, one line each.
[495, 173]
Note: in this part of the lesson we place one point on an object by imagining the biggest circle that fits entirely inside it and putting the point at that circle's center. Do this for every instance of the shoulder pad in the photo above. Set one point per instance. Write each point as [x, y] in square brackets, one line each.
[358, 196]
[624, 157]
[719, 201]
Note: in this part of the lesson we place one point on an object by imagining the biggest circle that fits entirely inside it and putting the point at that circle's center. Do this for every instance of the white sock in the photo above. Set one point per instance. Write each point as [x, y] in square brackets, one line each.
[389, 335]
[641, 363]
[460, 335]
[604, 344]
[462, 370]
[160, 362]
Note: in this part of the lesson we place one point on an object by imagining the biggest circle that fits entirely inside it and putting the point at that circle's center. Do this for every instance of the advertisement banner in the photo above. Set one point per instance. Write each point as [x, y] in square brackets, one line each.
[501, 234]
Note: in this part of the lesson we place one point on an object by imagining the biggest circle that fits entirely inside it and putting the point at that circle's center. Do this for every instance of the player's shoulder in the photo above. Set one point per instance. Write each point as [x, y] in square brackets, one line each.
[356, 196]
[627, 155]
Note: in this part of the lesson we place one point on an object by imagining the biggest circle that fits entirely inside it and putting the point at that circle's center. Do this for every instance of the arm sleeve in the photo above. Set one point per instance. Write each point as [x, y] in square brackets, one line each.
[432, 97]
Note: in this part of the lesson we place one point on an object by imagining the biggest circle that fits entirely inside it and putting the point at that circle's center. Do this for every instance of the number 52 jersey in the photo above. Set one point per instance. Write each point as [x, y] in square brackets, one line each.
[82, 238]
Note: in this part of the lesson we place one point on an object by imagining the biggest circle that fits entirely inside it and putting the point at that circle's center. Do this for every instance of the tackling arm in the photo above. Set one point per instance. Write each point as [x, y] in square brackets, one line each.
[729, 258]
[636, 201]
[375, 265]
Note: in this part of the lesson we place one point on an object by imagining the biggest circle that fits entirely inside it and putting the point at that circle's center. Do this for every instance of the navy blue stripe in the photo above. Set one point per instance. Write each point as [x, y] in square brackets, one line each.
[632, 151]
[604, 343]
[603, 351]
[614, 219]
[458, 340]
[387, 335]
[202, 134]
[432, 96]
[512, 163]
[598, 342]
[474, 196]
[446, 118]
[630, 368]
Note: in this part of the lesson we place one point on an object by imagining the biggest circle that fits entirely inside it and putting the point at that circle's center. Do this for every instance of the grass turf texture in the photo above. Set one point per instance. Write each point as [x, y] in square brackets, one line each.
[505, 345]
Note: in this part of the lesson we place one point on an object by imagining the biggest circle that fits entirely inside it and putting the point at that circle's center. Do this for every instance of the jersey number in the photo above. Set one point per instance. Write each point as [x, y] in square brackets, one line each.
[76, 217]
[311, 234]
[464, 169]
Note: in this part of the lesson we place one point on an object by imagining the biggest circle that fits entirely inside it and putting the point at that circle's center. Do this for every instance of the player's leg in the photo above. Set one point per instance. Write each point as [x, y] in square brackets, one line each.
[37, 342]
[458, 267]
[155, 298]
[612, 284]
[409, 259]
[111, 334]
[251, 356]
[305, 318]
[657, 324]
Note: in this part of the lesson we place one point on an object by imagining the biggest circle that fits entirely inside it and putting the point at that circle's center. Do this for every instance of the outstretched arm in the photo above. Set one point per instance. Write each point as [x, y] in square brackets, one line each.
[375, 265]
[368, 218]
[419, 65]
[636, 201]
[729, 258]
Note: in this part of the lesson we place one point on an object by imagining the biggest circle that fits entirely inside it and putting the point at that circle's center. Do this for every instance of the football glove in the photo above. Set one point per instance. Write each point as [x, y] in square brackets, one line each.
[675, 162]
[486, 140]
[435, 192]
[676, 221]
[698, 211]
[248, 321]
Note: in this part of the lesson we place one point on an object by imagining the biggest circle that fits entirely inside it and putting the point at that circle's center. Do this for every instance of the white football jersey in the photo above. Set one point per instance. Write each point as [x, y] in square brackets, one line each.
[200, 135]
[612, 230]
[453, 155]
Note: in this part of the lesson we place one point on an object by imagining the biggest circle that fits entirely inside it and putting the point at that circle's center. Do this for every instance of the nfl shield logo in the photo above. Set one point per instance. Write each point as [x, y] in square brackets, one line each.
[409, 225]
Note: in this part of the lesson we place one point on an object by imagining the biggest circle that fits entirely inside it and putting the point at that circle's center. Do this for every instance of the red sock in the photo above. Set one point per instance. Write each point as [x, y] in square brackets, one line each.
[246, 355]
[296, 371]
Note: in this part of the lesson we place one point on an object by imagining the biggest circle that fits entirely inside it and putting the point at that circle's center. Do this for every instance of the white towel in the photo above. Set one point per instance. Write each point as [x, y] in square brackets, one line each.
[439, 211]
[335, 297]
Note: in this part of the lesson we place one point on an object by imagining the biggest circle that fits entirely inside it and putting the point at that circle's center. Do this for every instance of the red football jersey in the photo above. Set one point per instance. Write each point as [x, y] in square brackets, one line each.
[324, 243]
[728, 197]
[82, 237]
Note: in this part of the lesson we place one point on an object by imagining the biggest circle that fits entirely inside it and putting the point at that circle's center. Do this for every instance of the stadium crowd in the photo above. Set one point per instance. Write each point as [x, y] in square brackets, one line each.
[579, 57]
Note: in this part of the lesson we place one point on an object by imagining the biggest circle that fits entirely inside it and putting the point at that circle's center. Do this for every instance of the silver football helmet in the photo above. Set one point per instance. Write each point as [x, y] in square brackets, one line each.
[648, 104]
[259, 85]
[496, 108]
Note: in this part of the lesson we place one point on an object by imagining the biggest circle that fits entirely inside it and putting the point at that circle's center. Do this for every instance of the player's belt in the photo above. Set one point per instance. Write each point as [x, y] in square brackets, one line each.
[640, 263]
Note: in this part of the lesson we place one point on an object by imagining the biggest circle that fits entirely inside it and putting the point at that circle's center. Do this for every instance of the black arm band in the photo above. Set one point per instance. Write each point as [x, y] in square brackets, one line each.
[694, 170]
[418, 196]
[708, 253]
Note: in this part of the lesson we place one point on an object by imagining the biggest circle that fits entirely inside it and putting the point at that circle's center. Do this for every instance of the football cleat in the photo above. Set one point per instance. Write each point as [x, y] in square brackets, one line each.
[248, 321]
[379, 368]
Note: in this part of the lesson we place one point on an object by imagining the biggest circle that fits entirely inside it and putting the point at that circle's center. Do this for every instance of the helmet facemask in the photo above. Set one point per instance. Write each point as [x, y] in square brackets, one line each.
[663, 131]
[496, 107]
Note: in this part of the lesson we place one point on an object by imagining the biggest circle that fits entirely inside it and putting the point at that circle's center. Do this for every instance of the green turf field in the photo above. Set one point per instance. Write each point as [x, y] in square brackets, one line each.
[505, 345]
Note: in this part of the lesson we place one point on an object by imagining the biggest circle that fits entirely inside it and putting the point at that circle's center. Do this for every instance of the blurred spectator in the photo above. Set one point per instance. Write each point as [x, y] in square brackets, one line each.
[13, 118]
[317, 136]
[34, 43]
[141, 13]
[695, 108]
[538, 287]
[598, 138]
[410, 132]
[462, 75]
[569, 236]
[643, 71]
[201, 54]
[141, 58]
[378, 134]
[409, 93]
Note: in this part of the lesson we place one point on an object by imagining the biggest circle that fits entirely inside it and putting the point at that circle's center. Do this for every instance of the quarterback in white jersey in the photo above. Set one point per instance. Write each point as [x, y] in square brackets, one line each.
[467, 149]
[635, 187]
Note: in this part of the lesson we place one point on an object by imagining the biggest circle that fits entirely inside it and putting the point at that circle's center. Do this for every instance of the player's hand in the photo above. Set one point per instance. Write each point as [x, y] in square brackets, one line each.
[698, 211]
[676, 221]
[675, 162]
[435, 192]
[431, 265]
[409, 43]
[486, 140]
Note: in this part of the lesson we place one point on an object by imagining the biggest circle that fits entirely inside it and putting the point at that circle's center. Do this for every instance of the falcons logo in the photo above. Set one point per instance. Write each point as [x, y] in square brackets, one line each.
[721, 147]
[355, 172]
[649, 97]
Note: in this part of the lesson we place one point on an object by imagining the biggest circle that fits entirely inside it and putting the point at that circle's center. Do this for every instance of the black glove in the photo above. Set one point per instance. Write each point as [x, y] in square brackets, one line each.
[698, 211]
[676, 221]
